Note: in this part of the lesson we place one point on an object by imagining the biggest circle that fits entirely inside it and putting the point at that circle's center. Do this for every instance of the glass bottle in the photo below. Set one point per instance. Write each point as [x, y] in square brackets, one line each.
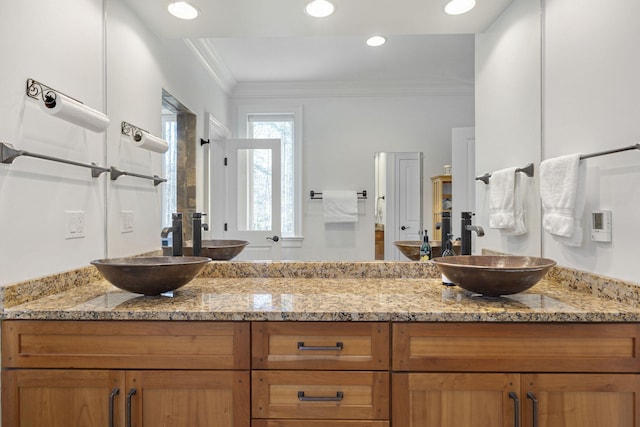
[447, 250]
[425, 247]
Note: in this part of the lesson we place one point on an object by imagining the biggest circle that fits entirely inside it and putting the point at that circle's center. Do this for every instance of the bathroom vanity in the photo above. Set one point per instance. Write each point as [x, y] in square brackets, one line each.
[321, 344]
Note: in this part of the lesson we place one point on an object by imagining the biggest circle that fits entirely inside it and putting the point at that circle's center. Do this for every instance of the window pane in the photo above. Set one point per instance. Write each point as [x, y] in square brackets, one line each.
[169, 189]
[280, 127]
[254, 189]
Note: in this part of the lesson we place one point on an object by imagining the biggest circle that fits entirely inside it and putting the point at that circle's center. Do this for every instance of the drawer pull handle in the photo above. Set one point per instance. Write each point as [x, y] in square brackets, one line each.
[303, 398]
[516, 408]
[128, 406]
[112, 396]
[337, 347]
[532, 396]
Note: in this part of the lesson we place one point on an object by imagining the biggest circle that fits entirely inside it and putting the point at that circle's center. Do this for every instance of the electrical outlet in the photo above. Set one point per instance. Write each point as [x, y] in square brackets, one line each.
[74, 225]
[126, 221]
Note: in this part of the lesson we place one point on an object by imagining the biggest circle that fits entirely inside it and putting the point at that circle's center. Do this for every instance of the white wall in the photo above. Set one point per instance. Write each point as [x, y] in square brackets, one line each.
[591, 104]
[40, 40]
[61, 44]
[342, 135]
[508, 117]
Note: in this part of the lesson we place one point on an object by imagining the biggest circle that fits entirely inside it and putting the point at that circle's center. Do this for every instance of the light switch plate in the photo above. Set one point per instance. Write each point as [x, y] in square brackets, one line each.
[126, 221]
[74, 225]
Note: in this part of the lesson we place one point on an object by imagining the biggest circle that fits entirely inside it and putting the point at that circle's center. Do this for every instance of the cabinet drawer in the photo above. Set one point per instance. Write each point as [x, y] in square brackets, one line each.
[338, 395]
[516, 347]
[126, 344]
[320, 345]
[319, 423]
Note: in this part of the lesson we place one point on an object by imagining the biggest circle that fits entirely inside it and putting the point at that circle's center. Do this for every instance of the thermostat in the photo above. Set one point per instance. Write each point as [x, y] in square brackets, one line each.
[601, 226]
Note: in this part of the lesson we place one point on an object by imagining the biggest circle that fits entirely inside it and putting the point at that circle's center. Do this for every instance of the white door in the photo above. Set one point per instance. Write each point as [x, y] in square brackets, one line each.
[404, 202]
[253, 197]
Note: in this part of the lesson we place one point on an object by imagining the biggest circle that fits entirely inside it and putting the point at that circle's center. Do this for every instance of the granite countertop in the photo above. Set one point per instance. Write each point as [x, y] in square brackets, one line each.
[363, 296]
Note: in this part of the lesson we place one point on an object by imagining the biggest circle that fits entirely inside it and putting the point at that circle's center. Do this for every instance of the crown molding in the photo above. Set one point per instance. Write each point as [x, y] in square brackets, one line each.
[212, 62]
[207, 54]
[318, 89]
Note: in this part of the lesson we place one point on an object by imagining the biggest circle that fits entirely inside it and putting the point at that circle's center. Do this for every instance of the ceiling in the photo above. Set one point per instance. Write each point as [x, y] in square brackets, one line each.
[275, 41]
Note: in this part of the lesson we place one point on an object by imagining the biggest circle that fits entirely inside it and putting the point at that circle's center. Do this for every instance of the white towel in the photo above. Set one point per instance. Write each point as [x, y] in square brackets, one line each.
[340, 206]
[501, 199]
[562, 192]
[519, 214]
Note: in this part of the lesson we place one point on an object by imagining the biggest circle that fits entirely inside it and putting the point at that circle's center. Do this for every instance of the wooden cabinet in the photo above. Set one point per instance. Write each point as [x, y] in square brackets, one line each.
[69, 397]
[559, 375]
[125, 374]
[455, 399]
[320, 374]
[508, 399]
[440, 202]
[379, 243]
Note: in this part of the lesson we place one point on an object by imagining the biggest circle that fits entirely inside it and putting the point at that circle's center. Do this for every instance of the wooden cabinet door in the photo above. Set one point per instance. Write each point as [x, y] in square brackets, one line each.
[585, 400]
[455, 400]
[189, 398]
[62, 398]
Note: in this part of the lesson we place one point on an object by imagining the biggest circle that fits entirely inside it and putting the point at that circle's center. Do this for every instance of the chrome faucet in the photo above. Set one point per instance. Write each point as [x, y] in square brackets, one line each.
[466, 230]
[176, 231]
[198, 226]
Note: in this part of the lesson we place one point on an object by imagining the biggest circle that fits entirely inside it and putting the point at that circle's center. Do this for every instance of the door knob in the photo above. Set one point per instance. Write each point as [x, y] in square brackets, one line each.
[404, 228]
[274, 238]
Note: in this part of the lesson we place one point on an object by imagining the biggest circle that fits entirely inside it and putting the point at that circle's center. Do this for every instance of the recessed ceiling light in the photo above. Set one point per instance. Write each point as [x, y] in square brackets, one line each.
[375, 41]
[319, 8]
[183, 10]
[458, 7]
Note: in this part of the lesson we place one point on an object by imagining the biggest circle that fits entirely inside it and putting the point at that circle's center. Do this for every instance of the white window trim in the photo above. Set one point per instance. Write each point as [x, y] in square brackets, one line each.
[243, 111]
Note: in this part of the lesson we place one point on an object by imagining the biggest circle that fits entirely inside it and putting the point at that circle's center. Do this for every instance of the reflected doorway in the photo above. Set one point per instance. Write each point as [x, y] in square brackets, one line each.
[398, 207]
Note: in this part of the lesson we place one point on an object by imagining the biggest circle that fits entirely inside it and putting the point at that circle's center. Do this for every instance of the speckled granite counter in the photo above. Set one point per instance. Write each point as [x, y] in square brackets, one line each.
[326, 292]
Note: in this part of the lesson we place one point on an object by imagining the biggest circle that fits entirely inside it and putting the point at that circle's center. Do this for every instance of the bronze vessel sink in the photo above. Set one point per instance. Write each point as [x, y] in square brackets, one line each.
[494, 275]
[150, 275]
[218, 250]
[409, 248]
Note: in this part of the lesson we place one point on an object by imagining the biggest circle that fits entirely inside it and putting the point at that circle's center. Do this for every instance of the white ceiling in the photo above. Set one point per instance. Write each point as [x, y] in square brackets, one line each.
[275, 41]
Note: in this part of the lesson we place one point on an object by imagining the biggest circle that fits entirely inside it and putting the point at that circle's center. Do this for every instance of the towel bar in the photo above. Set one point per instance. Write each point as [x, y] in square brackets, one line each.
[527, 170]
[604, 153]
[8, 154]
[314, 195]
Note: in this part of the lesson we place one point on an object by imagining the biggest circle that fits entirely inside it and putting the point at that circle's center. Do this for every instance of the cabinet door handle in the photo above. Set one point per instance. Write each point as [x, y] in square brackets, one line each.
[535, 408]
[112, 396]
[516, 408]
[128, 408]
[303, 398]
[303, 347]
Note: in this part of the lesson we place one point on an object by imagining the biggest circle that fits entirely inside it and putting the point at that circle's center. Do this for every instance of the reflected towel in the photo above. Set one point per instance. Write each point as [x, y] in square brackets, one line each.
[501, 199]
[519, 214]
[340, 206]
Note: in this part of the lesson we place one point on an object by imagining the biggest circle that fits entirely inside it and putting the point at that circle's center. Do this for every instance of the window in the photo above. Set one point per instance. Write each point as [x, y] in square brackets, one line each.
[169, 134]
[278, 123]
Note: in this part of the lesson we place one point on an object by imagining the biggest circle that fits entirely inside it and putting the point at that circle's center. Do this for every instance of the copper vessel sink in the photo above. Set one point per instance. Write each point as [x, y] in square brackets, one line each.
[150, 275]
[494, 275]
[409, 248]
[218, 250]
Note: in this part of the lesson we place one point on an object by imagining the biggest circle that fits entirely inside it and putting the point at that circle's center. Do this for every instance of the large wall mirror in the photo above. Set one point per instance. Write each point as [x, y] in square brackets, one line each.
[351, 164]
